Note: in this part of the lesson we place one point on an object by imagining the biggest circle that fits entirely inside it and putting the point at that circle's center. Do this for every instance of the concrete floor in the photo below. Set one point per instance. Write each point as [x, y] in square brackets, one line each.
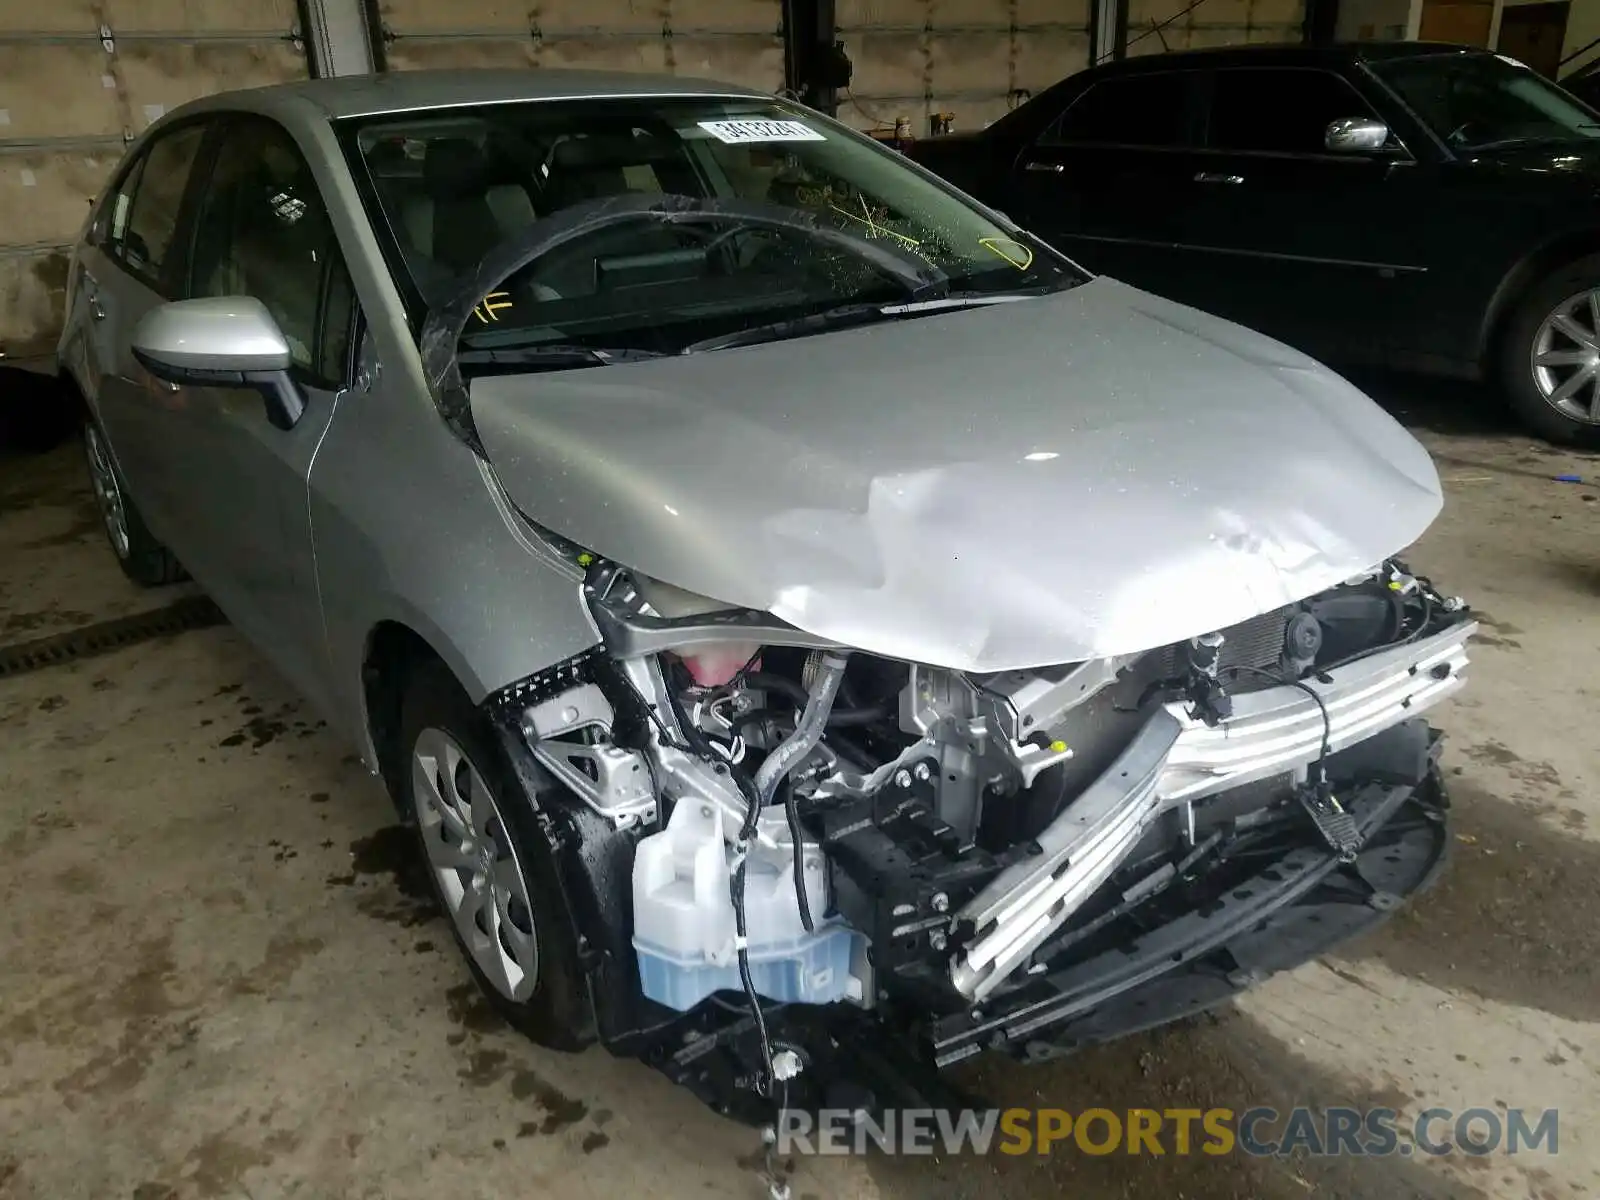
[218, 979]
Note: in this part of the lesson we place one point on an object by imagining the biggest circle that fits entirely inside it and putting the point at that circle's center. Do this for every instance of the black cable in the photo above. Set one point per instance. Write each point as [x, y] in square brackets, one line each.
[1327, 722]
[764, 1079]
[791, 810]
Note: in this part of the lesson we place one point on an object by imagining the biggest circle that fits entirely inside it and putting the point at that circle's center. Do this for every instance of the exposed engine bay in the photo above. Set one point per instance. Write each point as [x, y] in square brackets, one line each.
[811, 837]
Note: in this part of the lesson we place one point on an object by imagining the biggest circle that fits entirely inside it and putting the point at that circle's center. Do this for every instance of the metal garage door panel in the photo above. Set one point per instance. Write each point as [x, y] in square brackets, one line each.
[44, 195]
[1049, 56]
[60, 16]
[973, 58]
[430, 16]
[200, 16]
[1214, 23]
[605, 54]
[730, 41]
[54, 90]
[753, 61]
[425, 54]
[159, 76]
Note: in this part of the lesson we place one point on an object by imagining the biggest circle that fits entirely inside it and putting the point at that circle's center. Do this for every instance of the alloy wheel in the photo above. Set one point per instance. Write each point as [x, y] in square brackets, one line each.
[107, 491]
[471, 855]
[1566, 357]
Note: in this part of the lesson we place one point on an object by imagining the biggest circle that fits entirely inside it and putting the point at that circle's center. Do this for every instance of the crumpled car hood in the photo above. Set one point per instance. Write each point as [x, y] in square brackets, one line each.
[1090, 473]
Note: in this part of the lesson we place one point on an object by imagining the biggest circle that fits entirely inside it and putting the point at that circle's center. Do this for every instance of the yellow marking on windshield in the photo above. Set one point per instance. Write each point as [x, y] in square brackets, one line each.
[487, 310]
[1014, 252]
[873, 227]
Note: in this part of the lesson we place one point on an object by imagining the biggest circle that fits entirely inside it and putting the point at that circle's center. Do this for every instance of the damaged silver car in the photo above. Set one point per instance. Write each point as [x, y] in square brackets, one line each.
[817, 631]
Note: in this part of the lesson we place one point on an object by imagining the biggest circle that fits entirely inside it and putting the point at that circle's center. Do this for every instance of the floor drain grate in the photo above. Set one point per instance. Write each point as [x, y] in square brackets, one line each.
[192, 612]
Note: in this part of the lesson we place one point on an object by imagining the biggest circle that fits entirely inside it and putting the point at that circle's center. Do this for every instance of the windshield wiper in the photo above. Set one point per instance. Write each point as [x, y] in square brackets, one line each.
[555, 355]
[846, 315]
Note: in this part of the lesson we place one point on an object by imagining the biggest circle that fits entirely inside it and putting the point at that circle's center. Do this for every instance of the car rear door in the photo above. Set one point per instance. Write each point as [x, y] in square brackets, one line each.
[132, 264]
[1108, 180]
[1312, 246]
[261, 228]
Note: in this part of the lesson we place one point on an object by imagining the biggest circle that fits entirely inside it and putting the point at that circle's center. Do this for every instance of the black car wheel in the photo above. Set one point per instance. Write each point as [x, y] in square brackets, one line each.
[489, 865]
[1550, 364]
[143, 559]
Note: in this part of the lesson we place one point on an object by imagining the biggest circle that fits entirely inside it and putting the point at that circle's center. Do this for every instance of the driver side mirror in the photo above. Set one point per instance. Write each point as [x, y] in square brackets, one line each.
[1355, 135]
[224, 341]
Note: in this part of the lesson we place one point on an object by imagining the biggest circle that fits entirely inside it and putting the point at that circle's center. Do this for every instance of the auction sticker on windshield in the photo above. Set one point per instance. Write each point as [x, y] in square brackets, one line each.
[735, 131]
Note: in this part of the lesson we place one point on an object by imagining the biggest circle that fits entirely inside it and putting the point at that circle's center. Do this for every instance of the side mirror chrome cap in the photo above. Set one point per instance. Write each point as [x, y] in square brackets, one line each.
[1355, 135]
[204, 341]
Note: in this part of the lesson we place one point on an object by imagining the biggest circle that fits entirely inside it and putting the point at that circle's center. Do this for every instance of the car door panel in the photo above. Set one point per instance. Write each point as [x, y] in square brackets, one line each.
[260, 228]
[1107, 181]
[1317, 248]
[129, 275]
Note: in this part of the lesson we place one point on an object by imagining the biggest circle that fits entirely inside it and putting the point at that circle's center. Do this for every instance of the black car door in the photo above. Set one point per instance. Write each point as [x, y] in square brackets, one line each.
[1317, 247]
[1107, 180]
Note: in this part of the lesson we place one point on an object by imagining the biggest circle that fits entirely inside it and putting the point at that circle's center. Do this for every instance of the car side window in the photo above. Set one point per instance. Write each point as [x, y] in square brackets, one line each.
[262, 230]
[1138, 110]
[1279, 110]
[142, 221]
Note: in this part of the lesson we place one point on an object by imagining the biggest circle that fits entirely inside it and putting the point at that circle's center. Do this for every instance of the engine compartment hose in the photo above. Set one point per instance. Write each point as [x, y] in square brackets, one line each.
[787, 754]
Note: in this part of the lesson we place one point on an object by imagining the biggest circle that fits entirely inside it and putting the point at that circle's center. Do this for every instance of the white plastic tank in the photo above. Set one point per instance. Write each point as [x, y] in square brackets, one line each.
[683, 924]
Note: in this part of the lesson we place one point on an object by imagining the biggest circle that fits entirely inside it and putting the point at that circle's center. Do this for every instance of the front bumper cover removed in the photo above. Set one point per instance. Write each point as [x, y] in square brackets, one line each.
[1263, 904]
[1178, 759]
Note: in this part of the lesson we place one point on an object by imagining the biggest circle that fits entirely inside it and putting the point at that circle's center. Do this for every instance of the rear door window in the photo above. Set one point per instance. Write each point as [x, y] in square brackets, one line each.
[143, 219]
[1140, 110]
[1279, 110]
[262, 229]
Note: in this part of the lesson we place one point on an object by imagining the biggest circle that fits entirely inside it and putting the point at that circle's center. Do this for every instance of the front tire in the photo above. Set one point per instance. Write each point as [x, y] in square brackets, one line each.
[489, 865]
[1550, 359]
[142, 558]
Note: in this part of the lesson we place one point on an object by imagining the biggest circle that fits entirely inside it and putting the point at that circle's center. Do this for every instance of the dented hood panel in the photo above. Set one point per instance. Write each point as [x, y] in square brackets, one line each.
[1091, 473]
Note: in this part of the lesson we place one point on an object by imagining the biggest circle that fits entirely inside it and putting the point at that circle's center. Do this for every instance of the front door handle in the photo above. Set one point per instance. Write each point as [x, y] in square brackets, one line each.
[1049, 168]
[1217, 177]
[96, 309]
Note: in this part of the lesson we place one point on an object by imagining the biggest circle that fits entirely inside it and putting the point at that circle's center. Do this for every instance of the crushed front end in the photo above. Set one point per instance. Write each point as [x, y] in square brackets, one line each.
[844, 871]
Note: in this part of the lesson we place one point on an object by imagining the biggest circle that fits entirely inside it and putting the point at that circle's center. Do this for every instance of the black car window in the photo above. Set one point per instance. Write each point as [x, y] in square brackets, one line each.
[144, 210]
[1279, 110]
[1141, 110]
[1476, 101]
[262, 230]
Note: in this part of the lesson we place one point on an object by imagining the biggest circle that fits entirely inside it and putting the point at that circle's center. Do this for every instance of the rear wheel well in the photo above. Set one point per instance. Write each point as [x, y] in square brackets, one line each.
[1525, 275]
[394, 653]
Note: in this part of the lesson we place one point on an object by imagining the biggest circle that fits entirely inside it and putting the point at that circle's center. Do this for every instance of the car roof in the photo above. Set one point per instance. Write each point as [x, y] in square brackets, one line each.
[1284, 54]
[405, 91]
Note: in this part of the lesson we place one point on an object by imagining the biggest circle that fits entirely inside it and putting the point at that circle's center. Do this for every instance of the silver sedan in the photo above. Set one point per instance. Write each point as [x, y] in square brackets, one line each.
[795, 606]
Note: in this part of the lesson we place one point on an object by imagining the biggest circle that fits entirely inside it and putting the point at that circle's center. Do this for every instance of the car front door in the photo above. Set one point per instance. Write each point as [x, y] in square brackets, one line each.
[1107, 181]
[1316, 246]
[131, 265]
[261, 229]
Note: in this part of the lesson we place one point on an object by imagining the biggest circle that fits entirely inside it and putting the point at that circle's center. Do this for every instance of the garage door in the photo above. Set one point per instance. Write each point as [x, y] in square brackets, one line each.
[78, 79]
[731, 41]
[1156, 25]
[972, 58]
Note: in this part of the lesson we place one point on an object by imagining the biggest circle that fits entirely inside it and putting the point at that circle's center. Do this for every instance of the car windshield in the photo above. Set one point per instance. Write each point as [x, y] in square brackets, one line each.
[1478, 101]
[790, 216]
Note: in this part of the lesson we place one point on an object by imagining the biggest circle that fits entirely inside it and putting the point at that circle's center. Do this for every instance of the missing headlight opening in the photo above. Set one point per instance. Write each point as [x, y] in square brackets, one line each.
[827, 850]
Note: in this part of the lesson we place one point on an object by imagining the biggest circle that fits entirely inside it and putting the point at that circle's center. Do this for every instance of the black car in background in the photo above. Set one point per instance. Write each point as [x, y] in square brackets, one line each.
[1407, 204]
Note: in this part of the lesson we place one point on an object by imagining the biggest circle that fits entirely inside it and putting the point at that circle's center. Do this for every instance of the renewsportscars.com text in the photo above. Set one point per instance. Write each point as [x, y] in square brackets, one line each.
[1261, 1132]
